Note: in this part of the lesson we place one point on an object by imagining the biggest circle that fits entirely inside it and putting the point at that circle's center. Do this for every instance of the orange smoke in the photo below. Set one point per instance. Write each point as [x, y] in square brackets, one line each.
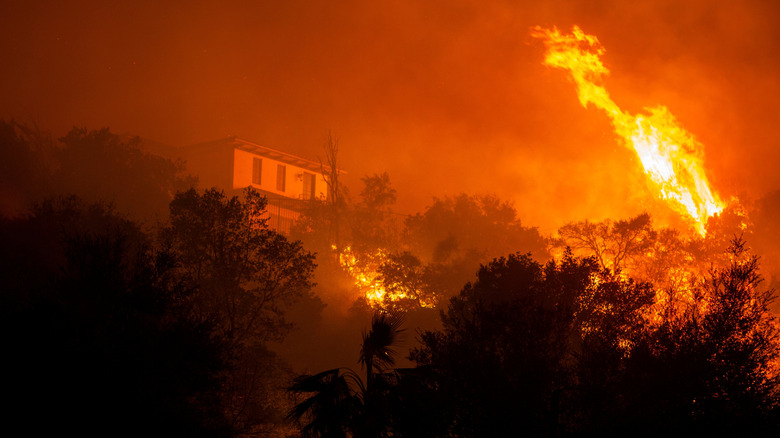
[672, 158]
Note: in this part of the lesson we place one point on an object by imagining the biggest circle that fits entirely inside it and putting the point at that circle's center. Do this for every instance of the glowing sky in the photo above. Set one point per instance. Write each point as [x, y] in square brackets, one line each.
[446, 96]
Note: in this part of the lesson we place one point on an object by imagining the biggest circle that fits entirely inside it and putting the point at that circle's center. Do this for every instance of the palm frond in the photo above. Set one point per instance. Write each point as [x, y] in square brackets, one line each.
[333, 405]
[377, 348]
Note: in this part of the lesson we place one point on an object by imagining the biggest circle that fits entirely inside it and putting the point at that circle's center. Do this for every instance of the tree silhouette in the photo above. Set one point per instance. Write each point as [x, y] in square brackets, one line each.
[377, 351]
[456, 234]
[246, 271]
[616, 244]
[247, 274]
[498, 359]
[372, 224]
[341, 404]
[711, 368]
[26, 166]
[524, 342]
[97, 332]
[332, 210]
[99, 165]
[96, 165]
[407, 282]
[482, 224]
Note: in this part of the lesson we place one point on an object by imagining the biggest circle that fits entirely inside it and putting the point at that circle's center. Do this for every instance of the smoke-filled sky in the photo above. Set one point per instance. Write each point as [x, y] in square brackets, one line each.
[446, 96]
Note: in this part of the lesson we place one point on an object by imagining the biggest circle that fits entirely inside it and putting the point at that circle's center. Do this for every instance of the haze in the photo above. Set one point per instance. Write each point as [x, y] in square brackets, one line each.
[447, 97]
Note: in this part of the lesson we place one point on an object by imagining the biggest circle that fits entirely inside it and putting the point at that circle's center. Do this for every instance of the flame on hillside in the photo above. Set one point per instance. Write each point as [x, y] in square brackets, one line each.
[365, 271]
[672, 157]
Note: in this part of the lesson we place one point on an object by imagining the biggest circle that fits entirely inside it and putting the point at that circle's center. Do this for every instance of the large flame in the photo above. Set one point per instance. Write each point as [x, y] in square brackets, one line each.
[671, 156]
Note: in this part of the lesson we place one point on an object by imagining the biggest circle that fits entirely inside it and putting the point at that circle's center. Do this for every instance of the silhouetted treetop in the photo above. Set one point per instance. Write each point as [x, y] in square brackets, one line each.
[26, 166]
[483, 225]
[101, 165]
[96, 165]
[338, 403]
[247, 272]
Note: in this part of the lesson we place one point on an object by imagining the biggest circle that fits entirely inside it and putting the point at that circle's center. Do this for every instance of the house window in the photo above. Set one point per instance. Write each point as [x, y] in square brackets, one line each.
[281, 171]
[309, 183]
[257, 171]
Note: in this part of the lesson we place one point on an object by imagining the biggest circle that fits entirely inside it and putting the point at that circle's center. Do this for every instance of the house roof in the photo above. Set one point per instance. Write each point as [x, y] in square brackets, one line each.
[264, 151]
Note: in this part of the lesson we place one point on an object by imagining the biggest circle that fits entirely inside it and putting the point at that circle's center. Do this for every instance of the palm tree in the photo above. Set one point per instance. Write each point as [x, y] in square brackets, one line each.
[334, 405]
[340, 404]
[377, 352]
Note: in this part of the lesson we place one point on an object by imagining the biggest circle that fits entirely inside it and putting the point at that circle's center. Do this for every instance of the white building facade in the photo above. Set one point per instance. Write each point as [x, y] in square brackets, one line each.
[287, 180]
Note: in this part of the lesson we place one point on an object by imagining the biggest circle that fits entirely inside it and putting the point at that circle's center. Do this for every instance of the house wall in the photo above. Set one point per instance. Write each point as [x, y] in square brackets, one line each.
[242, 176]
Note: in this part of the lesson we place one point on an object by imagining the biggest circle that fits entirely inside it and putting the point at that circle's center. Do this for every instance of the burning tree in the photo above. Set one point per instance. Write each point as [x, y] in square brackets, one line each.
[670, 259]
[566, 349]
[616, 245]
[507, 360]
[391, 282]
[712, 366]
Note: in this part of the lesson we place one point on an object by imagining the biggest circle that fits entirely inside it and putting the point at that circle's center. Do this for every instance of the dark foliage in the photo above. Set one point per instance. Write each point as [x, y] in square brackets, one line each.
[96, 165]
[247, 276]
[567, 350]
[455, 235]
[99, 165]
[501, 364]
[710, 368]
[26, 166]
[332, 408]
[247, 272]
[97, 334]
[338, 403]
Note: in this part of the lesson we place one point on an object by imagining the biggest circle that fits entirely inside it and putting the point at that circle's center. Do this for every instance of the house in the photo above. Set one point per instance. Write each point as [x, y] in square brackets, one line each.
[288, 181]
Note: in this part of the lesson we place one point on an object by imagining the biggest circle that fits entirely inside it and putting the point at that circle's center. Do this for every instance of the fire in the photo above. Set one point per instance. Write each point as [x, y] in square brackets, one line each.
[365, 271]
[672, 158]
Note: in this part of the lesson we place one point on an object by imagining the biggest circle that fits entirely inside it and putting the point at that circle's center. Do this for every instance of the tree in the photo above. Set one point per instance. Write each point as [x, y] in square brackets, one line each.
[378, 195]
[99, 165]
[711, 368]
[372, 223]
[498, 359]
[456, 234]
[26, 166]
[452, 227]
[521, 343]
[377, 354]
[333, 406]
[330, 170]
[616, 244]
[341, 404]
[322, 221]
[766, 219]
[247, 275]
[96, 165]
[407, 282]
[97, 331]
[335, 203]
[669, 259]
